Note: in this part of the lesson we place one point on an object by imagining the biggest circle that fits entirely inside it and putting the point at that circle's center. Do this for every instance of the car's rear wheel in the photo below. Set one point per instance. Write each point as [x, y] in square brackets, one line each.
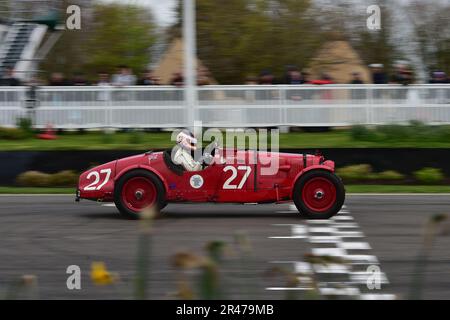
[319, 194]
[137, 190]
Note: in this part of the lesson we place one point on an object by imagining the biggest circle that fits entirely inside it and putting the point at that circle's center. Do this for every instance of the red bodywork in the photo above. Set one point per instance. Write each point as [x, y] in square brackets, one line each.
[247, 186]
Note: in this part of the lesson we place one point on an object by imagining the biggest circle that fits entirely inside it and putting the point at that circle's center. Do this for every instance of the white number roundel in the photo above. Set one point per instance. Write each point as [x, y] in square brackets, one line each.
[196, 181]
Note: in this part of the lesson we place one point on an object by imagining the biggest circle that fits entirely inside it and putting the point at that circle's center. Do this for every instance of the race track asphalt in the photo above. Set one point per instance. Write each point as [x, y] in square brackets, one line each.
[43, 235]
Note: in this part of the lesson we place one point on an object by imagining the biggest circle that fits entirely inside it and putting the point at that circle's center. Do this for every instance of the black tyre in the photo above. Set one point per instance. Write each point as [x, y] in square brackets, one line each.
[137, 190]
[319, 194]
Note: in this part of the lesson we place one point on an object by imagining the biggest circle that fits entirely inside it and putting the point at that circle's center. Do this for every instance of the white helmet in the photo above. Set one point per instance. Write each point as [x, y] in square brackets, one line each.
[186, 140]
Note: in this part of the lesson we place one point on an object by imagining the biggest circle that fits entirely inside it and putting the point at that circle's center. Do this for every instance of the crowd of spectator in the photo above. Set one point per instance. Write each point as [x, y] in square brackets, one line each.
[124, 76]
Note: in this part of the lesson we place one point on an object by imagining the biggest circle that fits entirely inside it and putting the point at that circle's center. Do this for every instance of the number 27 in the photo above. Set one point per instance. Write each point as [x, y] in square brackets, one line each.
[228, 185]
[96, 175]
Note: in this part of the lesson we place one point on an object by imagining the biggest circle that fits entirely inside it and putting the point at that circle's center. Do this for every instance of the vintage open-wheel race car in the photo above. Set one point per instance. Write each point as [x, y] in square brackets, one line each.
[236, 176]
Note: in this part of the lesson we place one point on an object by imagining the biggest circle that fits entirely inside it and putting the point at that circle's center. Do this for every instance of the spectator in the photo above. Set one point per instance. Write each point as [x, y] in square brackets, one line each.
[359, 93]
[378, 75]
[403, 75]
[324, 79]
[147, 79]
[356, 78]
[124, 77]
[9, 79]
[203, 77]
[103, 79]
[295, 77]
[57, 79]
[104, 82]
[177, 79]
[438, 77]
[305, 77]
[79, 80]
[266, 77]
[251, 80]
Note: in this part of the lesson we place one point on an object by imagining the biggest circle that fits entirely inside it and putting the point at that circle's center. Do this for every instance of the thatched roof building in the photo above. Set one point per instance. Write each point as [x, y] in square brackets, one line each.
[338, 60]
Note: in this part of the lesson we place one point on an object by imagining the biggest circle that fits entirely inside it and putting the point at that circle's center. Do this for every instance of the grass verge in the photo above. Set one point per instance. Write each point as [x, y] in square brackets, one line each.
[33, 190]
[371, 188]
[349, 188]
[159, 140]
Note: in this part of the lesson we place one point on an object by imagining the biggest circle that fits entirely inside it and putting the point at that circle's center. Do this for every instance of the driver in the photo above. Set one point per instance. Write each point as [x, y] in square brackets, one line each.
[181, 154]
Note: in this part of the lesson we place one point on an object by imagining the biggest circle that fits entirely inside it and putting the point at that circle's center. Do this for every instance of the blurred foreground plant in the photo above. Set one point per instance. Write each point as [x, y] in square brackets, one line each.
[100, 275]
[143, 252]
[24, 288]
[208, 281]
[434, 227]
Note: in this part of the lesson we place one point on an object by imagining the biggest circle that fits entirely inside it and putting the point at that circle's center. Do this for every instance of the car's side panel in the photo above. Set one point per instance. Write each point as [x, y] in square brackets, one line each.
[98, 182]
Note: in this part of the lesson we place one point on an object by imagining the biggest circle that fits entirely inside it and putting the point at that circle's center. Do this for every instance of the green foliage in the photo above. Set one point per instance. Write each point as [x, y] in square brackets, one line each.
[39, 179]
[363, 172]
[244, 37]
[33, 179]
[107, 137]
[362, 133]
[390, 175]
[26, 125]
[136, 137]
[64, 178]
[429, 175]
[122, 34]
[355, 172]
[414, 131]
[12, 134]
[112, 34]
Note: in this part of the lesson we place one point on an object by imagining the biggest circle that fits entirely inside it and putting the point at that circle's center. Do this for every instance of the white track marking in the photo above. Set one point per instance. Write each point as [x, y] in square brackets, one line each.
[354, 246]
[325, 222]
[349, 234]
[339, 291]
[339, 217]
[298, 231]
[322, 230]
[333, 252]
[346, 225]
[377, 296]
[336, 237]
[290, 288]
[361, 277]
[302, 267]
[108, 205]
[324, 239]
[331, 268]
[361, 259]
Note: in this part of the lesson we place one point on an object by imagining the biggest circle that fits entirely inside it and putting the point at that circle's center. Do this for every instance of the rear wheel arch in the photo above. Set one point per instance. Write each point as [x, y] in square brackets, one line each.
[137, 167]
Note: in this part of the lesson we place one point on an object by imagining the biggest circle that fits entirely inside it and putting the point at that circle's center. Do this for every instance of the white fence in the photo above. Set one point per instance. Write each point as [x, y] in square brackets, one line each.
[227, 106]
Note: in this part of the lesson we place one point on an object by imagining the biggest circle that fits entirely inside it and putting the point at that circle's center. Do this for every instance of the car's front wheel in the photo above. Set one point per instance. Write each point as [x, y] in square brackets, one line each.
[319, 194]
[137, 190]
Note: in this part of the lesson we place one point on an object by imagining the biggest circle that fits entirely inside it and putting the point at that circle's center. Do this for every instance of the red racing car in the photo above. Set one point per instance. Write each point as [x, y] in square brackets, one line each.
[238, 176]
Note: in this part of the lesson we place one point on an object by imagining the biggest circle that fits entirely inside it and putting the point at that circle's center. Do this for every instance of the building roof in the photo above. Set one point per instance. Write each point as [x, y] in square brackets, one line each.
[171, 62]
[338, 60]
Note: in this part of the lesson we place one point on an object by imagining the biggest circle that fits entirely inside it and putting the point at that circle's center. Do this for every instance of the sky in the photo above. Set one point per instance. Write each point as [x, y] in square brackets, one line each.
[162, 9]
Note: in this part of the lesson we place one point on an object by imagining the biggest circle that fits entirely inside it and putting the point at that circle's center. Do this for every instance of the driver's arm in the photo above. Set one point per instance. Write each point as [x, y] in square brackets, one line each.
[188, 162]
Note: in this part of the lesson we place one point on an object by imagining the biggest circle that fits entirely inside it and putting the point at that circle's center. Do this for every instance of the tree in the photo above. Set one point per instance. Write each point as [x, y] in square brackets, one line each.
[432, 30]
[112, 34]
[244, 37]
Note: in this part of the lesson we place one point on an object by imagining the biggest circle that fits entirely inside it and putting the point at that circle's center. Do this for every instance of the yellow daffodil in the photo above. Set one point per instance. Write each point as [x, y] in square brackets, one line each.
[100, 275]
